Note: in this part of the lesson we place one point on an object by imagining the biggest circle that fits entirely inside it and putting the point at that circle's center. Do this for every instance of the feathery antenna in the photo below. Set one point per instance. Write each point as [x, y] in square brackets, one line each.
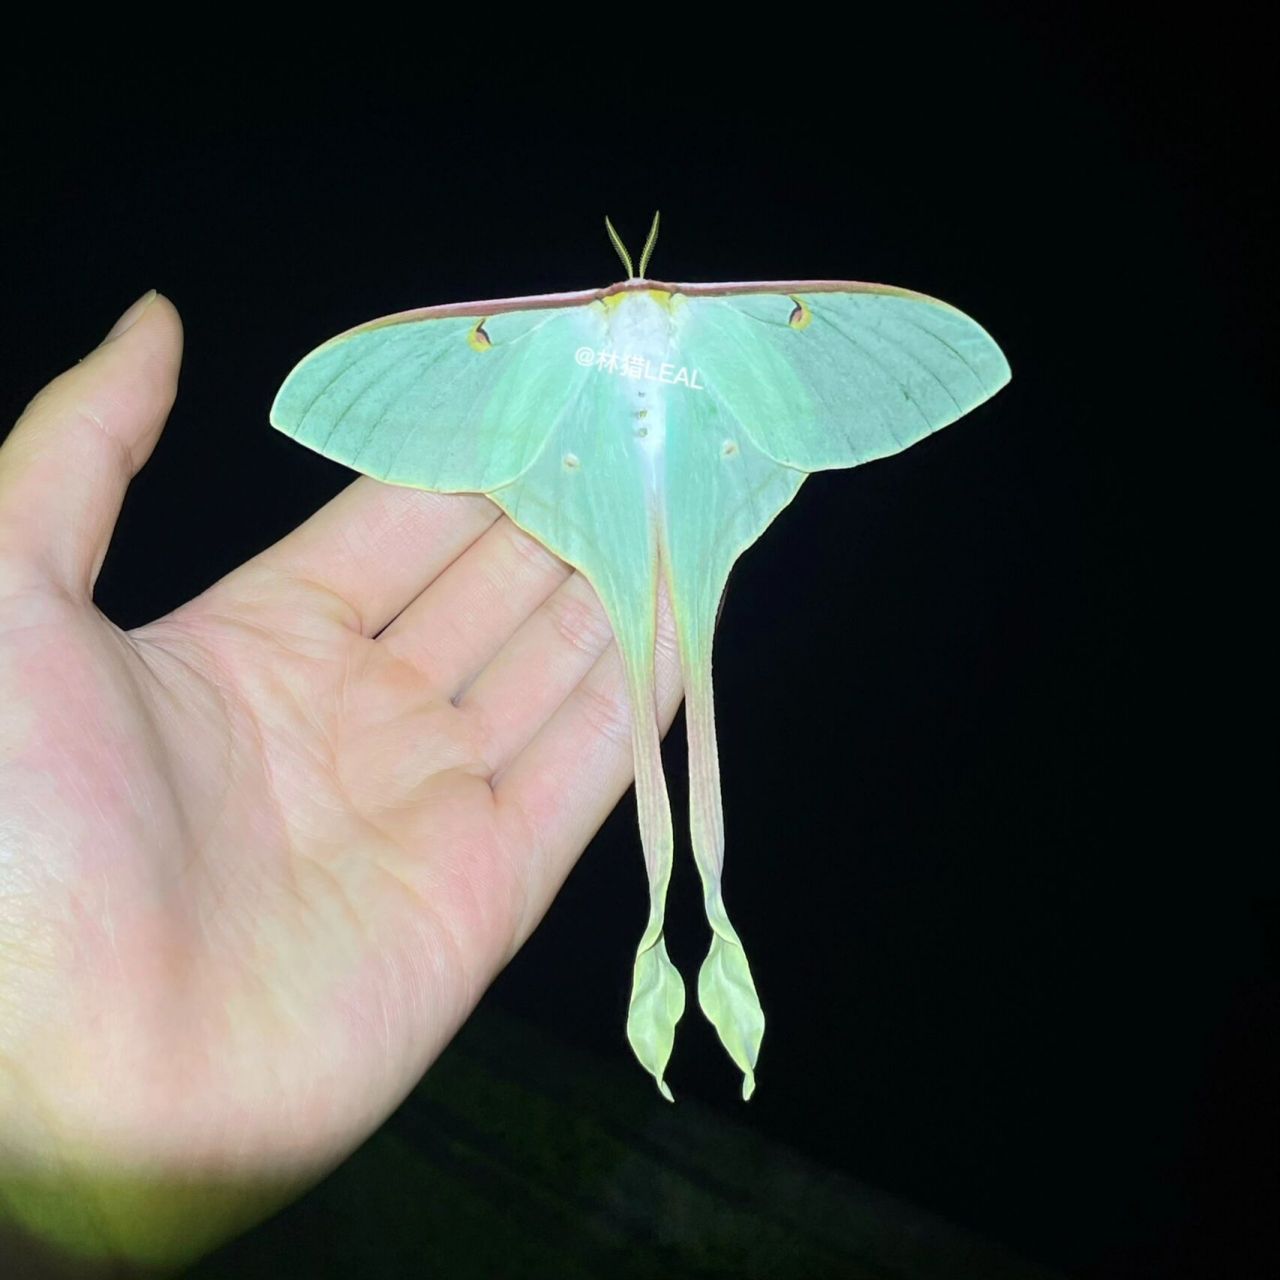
[649, 243]
[645, 253]
[620, 247]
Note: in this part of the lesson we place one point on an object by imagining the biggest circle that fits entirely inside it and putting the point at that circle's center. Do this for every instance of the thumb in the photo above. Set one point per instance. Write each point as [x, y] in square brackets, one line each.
[66, 464]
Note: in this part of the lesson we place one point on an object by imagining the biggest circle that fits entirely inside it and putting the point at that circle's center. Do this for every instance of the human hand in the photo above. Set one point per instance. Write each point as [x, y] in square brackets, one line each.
[260, 858]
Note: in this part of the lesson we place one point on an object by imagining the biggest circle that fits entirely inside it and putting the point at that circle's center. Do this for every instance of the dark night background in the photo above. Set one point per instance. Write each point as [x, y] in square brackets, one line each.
[979, 703]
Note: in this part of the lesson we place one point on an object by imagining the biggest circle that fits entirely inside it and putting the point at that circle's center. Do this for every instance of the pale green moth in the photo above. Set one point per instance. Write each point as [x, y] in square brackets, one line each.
[645, 429]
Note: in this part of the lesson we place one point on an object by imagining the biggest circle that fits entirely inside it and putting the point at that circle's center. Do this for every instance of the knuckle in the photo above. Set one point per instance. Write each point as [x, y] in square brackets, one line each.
[578, 620]
[527, 550]
[606, 712]
[89, 419]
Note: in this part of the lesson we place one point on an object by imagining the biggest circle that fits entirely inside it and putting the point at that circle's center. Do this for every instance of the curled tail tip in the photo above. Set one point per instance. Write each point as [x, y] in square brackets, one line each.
[748, 1085]
[657, 1005]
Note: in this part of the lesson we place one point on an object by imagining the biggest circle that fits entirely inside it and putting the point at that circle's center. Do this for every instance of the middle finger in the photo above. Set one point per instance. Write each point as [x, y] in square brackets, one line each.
[465, 617]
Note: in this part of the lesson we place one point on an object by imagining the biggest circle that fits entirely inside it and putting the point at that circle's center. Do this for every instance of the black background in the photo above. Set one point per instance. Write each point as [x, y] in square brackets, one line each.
[985, 708]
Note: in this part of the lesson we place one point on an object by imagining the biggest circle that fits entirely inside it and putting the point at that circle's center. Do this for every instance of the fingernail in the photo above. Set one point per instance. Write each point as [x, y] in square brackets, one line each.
[132, 316]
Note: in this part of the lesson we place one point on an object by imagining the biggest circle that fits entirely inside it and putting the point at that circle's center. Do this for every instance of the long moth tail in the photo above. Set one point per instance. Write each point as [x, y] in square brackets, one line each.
[657, 990]
[726, 991]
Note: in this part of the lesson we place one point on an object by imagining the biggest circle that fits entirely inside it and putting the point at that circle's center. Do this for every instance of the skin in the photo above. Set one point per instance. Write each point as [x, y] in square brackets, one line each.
[260, 858]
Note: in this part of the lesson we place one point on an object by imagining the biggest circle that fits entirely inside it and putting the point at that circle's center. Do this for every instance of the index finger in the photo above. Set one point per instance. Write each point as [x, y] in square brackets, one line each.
[371, 550]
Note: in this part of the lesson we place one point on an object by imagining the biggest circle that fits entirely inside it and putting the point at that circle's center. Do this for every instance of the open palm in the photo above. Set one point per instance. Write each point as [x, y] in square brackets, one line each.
[260, 858]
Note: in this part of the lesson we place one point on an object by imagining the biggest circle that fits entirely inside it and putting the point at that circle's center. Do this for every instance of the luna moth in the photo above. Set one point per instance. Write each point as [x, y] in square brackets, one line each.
[639, 430]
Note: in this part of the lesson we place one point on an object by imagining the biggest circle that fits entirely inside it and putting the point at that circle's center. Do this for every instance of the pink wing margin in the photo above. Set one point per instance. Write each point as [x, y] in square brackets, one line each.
[584, 297]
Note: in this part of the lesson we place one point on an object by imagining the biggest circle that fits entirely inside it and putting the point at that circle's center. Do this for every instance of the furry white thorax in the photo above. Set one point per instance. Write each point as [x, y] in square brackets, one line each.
[640, 327]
